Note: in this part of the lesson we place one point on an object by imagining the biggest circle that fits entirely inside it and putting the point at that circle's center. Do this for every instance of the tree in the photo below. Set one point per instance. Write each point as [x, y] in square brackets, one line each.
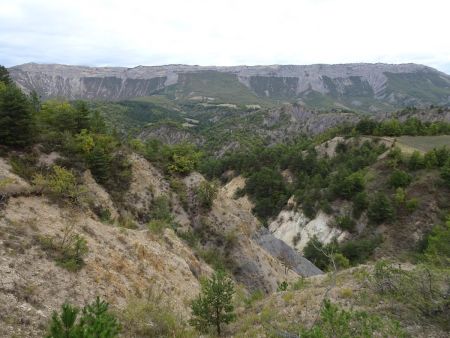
[15, 117]
[380, 209]
[213, 307]
[95, 322]
[4, 76]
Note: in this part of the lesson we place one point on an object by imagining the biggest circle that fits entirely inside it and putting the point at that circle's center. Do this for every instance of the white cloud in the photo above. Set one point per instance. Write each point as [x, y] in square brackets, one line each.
[224, 32]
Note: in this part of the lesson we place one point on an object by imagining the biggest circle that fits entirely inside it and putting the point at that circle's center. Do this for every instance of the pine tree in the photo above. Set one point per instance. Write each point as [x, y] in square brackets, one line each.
[95, 321]
[15, 117]
[213, 307]
[99, 164]
[4, 76]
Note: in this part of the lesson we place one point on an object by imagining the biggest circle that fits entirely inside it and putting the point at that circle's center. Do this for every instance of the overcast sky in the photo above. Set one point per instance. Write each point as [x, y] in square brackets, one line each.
[224, 32]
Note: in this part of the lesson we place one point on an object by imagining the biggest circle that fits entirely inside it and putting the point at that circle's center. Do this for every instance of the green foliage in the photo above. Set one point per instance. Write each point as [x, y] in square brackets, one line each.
[4, 76]
[360, 203]
[422, 290]
[25, 166]
[95, 321]
[183, 158]
[437, 250]
[68, 251]
[178, 186]
[380, 209]
[151, 316]
[416, 161]
[345, 222]
[317, 253]
[16, 121]
[399, 179]
[283, 286]
[268, 190]
[445, 173]
[341, 261]
[352, 252]
[255, 296]
[61, 183]
[214, 307]
[161, 209]
[178, 159]
[206, 193]
[337, 322]
[157, 226]
[347, 187]
[359, 250]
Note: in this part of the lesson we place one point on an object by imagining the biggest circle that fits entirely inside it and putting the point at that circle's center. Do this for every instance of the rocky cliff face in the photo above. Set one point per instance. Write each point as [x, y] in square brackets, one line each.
[370, 87]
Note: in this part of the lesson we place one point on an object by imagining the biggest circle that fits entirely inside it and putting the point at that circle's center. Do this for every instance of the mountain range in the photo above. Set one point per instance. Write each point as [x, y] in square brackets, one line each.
[359, 87]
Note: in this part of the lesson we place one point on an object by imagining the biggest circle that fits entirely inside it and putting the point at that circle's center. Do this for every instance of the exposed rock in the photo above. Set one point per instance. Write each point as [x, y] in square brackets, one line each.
[361, 85]
[295, 229]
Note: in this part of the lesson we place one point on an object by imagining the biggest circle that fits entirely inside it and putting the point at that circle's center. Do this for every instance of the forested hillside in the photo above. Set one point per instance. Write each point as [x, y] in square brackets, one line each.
[155, 218]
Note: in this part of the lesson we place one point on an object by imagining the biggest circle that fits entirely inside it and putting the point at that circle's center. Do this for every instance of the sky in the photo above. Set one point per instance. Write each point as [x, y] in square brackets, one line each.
[224, 32]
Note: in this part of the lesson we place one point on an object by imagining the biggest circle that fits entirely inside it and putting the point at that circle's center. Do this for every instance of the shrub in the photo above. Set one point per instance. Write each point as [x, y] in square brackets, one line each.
[61, 183]
[150, 316]
[255, 296]
[69, 251]
[337, 322]
[283, 286]
[317, 253]
[157, 226]
[213, 307]
[206, 193]
[423, 290]
[416, 161]
[445, 173]
[345, 222]
[380, 209]
[399, 179]
[95, 321]
[437, 250]
[161, 209]
[359, 250]
[340, 261]
[360, 203]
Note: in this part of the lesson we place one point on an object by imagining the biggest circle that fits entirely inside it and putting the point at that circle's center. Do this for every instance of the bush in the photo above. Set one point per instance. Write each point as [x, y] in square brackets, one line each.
[416, 161]
[423, 290]
[360, 203]
[399, 179]
[95, 321]
[380, 209]
[317, 253]
[337, 322]
[150, 316]
[437, 249]
[61, 183]
[157, 226]
[445, 173]
[161, 209]
[359, 250]
[345, 222]
[69, 251]
[206, 193]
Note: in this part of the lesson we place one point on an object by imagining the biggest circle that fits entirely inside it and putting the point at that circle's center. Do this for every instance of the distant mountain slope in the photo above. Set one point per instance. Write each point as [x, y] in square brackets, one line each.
[361, 87]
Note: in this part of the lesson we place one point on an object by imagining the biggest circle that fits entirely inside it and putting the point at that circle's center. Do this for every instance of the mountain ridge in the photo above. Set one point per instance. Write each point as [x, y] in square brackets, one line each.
[368, 87]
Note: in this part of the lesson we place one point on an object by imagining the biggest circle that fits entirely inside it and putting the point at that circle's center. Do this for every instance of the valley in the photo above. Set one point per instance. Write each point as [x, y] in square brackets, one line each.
[319, 195]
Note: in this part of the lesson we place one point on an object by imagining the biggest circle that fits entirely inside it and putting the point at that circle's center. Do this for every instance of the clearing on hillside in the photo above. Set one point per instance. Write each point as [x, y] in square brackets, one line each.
[422, 143]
